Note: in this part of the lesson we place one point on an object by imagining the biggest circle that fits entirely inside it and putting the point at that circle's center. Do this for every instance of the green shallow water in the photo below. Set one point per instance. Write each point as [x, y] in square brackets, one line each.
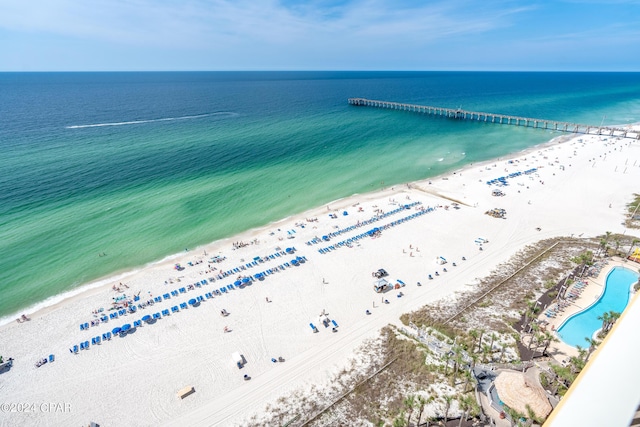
[209, 155]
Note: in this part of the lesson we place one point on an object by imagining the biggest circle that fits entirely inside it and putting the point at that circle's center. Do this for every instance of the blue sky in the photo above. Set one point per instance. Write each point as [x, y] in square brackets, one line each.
[106, 35]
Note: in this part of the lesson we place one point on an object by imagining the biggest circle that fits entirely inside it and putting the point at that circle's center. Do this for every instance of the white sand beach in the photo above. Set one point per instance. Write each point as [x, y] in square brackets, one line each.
[579, 186]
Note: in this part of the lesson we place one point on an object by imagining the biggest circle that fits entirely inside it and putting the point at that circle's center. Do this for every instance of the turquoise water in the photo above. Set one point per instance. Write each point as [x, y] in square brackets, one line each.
[140, 166]
[615, 297]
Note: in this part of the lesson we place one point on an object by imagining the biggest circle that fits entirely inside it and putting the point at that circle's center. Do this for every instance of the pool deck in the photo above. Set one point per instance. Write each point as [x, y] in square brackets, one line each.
[590, 293]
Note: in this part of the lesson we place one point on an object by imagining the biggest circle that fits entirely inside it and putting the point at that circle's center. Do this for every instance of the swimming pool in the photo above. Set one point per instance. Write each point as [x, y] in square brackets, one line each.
[615, 297]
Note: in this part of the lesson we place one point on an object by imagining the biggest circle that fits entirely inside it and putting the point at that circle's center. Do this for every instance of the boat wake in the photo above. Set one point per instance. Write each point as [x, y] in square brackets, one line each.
[166, 119]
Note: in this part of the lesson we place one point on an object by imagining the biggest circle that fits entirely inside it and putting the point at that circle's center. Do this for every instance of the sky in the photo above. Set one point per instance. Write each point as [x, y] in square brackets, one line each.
[230, 35]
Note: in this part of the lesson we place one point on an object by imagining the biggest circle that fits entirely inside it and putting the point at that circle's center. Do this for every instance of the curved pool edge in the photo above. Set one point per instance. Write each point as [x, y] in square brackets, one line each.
[598, 299]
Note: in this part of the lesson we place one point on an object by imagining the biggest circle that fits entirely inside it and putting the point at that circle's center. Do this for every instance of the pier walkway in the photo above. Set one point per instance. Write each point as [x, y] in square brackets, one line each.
[500, 118]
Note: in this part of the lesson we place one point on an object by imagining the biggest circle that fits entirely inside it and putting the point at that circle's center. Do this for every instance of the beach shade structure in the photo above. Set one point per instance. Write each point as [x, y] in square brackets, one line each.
[116, 330]
[294, 261]
[125, 327]
[237, 283]
[245, 280]
[146, 318]
[518, 392]
[325, 238]
[289, 250]
[192, 301]
[300, 259]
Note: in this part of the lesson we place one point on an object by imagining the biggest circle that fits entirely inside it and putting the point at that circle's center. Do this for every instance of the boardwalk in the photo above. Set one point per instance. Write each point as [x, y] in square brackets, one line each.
[500, 118]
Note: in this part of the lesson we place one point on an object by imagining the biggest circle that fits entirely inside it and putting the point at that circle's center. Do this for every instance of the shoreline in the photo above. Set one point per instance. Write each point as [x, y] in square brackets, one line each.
[270, 318]
[42, 307]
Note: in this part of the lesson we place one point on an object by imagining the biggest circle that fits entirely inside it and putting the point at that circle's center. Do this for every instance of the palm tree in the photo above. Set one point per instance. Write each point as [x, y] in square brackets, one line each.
[605, 318]
[468, 379]
[474, 335]
[633, 244]
[447, 357]
[486, 351]
[409, 403]
[447, 405]
[480, 332]
[457, 361]
[495, 337]
[422, 402]
[592, 346]
[465, 406]
[399, 420]
[548, 339]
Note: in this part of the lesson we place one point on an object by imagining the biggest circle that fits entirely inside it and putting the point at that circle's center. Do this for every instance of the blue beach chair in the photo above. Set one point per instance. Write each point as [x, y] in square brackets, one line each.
[183, 305]
[156, 315]
[175, 309]
[166, 296]
[165, 312]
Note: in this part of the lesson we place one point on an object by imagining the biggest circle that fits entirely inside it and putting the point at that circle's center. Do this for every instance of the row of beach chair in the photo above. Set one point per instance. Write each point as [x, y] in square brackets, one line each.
[351, 240]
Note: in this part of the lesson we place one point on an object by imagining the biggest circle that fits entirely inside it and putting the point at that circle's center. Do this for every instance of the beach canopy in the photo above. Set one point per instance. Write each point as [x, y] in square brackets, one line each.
[116, 330]
[192, 301]
[125, 327]
[518, 392]
[294, 261]
[289, 250]
[146, 318]
[245, 280]
[237, 283]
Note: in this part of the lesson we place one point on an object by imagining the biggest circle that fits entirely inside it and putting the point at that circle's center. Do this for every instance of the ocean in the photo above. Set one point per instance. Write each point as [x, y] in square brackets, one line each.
[101, 173]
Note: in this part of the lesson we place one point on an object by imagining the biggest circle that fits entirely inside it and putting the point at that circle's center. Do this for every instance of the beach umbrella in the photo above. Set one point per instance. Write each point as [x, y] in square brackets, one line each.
[125, 327]
[289, 250]
[325, 238]
[294, 261]
[245, 280]
[116, 330]
[192, 301]
[146, 318]
[237, 283]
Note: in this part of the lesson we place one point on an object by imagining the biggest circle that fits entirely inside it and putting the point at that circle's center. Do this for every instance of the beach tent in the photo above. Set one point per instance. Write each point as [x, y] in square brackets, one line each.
[381, 285]
[237, 358]
[518, 392]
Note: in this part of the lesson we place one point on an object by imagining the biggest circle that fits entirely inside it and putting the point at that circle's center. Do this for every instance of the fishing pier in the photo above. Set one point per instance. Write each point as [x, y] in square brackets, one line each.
[461, 114]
